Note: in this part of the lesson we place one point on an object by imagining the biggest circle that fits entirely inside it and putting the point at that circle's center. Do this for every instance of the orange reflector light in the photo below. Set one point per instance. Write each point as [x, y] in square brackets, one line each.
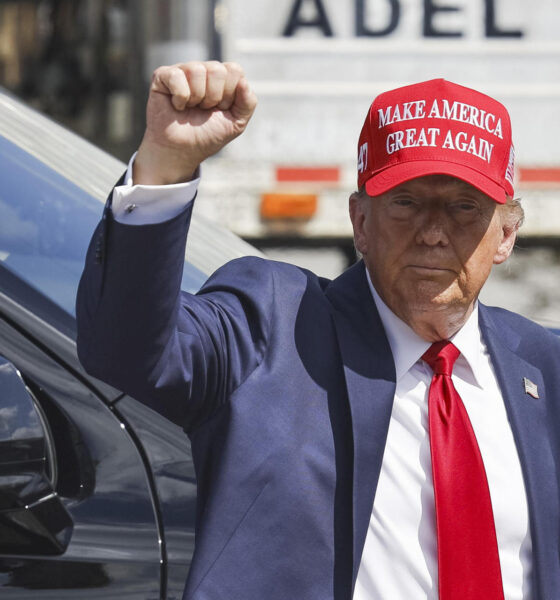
[540, 175]
[288, 206]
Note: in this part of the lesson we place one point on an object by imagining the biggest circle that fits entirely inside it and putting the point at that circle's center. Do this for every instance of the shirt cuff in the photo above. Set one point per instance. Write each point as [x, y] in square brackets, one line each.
[149, 204]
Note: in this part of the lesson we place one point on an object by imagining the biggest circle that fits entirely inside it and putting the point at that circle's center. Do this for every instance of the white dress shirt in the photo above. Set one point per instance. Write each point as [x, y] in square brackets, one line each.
[399, 560]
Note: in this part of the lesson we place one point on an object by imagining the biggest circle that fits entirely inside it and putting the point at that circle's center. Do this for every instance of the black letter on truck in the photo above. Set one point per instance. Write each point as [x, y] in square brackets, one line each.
[295, 21]
[430, 9]
[492, 30]
[363, 31]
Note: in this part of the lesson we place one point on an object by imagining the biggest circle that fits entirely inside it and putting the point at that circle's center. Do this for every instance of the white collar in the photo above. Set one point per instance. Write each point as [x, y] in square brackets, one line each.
[408, 347]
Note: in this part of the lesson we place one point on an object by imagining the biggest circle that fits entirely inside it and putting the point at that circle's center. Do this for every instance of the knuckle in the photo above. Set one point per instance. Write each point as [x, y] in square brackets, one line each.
[176, 76]
[216, 68]
[234, 68]
[159, 72]
[196, 69]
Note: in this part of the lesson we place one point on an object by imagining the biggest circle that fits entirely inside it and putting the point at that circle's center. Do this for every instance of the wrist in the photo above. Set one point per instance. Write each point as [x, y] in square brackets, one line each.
[155, 165]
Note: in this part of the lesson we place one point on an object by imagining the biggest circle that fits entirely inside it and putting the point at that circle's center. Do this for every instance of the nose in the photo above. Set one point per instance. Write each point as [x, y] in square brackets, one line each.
[432, 227]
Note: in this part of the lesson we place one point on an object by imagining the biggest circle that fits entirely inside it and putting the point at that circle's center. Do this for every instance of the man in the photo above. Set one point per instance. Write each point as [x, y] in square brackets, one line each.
[343, 447]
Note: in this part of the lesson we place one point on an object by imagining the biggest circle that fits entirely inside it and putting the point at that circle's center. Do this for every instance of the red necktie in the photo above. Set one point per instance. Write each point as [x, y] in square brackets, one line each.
[468, 561]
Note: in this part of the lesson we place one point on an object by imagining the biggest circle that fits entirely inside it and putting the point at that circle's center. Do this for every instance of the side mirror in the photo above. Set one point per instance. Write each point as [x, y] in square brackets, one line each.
[33, 519]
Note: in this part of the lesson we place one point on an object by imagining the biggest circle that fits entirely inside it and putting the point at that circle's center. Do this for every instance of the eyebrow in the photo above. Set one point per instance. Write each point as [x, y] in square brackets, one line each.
[446, 180]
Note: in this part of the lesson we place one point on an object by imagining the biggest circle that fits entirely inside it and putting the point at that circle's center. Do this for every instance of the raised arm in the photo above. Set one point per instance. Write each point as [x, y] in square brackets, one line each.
[181, 354]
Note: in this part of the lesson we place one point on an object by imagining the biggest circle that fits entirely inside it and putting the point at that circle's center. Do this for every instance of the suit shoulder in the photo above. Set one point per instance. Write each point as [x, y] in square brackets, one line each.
[531, 333]
[253, 272]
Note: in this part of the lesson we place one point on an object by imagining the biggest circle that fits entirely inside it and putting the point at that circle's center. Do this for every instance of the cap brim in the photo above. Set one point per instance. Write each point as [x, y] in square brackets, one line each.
[400, 173]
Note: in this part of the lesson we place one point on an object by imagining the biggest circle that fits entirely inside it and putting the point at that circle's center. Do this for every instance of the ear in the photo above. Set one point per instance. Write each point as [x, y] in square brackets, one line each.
[357, 208]
[505, 248]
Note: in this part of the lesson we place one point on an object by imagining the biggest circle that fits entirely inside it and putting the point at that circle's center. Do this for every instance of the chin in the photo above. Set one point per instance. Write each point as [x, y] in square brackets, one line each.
[428, 299]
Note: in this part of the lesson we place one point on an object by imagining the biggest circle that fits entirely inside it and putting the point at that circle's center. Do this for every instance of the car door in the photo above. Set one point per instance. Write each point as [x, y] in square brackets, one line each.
[111, 546]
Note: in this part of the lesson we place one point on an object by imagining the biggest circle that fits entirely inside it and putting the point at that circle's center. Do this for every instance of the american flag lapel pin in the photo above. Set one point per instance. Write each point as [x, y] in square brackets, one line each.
[530, 388]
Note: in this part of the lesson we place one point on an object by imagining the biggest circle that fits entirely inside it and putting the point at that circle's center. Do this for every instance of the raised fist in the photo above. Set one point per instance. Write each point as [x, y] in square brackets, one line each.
[194, 109]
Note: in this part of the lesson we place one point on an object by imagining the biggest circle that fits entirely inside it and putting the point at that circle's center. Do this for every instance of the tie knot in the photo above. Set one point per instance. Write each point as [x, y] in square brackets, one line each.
[441, 356]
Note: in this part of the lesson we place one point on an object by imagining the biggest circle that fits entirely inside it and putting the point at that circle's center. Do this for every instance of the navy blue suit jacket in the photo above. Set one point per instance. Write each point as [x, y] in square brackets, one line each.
[284, 382]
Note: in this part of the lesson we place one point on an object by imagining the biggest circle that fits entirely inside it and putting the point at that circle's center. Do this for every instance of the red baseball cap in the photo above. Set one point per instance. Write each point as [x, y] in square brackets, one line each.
[436, 127]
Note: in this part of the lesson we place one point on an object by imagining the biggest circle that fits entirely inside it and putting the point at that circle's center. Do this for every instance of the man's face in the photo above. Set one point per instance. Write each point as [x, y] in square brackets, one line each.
[429, 245]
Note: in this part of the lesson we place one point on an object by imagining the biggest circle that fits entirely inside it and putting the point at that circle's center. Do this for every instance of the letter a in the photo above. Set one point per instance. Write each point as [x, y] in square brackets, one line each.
[448, 142]
[295, 21]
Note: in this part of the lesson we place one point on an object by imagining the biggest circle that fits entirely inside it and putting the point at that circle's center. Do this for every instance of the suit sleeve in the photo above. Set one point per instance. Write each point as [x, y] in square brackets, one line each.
[181, 354]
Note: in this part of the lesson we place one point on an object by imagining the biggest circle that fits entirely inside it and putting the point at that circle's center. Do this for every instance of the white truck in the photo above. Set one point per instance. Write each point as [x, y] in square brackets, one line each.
[317, 64]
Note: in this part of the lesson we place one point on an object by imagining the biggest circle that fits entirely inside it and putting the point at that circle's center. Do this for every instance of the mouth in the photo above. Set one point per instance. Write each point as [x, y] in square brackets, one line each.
[430, 269]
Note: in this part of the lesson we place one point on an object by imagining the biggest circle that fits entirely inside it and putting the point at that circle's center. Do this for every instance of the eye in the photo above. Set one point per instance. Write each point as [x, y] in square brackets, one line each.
[464, 210]
[403, 201]
[466, 206]
[402, 206]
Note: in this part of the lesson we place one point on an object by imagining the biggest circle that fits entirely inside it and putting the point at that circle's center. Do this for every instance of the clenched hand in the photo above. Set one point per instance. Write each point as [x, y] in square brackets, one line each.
[194, 109]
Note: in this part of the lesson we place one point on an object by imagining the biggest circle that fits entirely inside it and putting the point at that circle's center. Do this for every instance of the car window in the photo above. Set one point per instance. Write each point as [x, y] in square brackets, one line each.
[46, 223]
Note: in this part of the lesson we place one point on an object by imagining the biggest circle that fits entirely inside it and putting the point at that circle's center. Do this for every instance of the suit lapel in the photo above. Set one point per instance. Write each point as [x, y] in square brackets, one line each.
[527, 416]
[370, 379]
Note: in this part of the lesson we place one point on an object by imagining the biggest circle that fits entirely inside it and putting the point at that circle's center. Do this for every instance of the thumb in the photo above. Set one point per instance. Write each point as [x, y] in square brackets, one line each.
[245, 101]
